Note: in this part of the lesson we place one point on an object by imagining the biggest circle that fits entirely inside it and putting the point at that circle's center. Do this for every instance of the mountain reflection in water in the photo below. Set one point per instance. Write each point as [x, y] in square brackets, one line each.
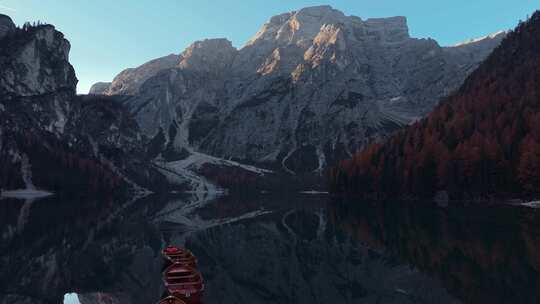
[479, 254]
[266, 250]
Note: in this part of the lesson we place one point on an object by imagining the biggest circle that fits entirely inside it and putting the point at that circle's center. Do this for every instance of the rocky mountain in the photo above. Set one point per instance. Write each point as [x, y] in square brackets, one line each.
[483, 141]
[26, 70]
[129, 81]
[99, 88]
[51, 139]
[310, 88]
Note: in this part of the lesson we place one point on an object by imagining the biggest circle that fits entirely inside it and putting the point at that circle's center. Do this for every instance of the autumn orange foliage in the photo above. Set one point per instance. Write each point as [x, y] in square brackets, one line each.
[481, 141]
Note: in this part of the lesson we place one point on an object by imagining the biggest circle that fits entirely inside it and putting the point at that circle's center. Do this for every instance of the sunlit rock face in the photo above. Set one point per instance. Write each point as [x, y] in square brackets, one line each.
[211, 56]
[311, 87]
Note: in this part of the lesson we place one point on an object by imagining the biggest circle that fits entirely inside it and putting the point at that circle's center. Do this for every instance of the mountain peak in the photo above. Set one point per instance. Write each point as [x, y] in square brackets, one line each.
[298, 25]
[206, 44]
[321, 11]
[304, 25]
[208, 55]
[130, 80]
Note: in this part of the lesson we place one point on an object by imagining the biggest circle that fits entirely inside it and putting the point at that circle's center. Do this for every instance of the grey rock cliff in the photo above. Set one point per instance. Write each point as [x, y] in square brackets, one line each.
[99, 88]
[310, 88]
[212, 56]
[42, 121]
[35, 62]
[129, 80]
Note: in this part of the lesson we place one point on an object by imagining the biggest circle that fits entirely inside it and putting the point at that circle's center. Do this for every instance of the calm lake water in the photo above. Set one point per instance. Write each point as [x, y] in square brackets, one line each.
[267, 249]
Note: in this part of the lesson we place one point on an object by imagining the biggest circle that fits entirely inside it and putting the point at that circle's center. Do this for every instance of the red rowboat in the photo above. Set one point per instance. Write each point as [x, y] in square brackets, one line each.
[176, 255]
[171, 300]
[184, 282]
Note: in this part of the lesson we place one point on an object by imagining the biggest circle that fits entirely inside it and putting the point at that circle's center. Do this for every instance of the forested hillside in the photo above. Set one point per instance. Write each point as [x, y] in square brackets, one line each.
[482, 140]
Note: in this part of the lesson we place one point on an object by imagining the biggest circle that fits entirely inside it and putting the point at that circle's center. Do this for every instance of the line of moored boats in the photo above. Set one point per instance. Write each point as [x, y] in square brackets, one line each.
[184, 284]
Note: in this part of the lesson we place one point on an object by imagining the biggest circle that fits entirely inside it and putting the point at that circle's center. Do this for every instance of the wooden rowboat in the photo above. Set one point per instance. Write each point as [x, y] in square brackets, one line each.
[184, 282]
[171, 300]
[177, 255]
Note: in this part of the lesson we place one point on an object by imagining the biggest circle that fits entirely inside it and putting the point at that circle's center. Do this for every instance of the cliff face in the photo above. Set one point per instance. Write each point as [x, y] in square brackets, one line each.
[129, 81]
[50, 139]
[311, 87]
[99, 88]
[482, 141]
[35, 61]
[37, 84]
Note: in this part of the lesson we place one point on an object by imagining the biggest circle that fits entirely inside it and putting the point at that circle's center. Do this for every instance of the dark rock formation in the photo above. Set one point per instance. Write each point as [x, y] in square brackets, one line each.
[6, 25]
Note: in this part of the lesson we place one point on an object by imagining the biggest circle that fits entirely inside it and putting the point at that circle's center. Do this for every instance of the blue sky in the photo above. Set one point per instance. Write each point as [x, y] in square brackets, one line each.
[109, 36]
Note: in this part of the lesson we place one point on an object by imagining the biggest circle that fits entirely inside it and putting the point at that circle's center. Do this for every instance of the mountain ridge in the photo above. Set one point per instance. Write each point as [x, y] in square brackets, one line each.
[282, 20]
[319, 86]
[266, 102]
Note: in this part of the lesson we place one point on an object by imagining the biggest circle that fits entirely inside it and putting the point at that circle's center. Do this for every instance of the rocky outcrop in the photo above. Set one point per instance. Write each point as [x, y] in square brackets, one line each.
[211, 56]
[36, 86]
[35, 61]
[129, 81]
[311, 87]
[99, 88]
[6, 25]
[51, 139]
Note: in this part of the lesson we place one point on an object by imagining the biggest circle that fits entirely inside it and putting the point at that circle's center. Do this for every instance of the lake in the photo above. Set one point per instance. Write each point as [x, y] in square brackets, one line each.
[270, 249]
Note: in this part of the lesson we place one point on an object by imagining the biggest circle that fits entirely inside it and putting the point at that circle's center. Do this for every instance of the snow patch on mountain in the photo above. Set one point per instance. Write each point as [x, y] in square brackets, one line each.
[196, 160]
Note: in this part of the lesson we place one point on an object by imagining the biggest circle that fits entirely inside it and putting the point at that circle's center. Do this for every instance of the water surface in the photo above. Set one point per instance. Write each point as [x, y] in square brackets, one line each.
[268, 249]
